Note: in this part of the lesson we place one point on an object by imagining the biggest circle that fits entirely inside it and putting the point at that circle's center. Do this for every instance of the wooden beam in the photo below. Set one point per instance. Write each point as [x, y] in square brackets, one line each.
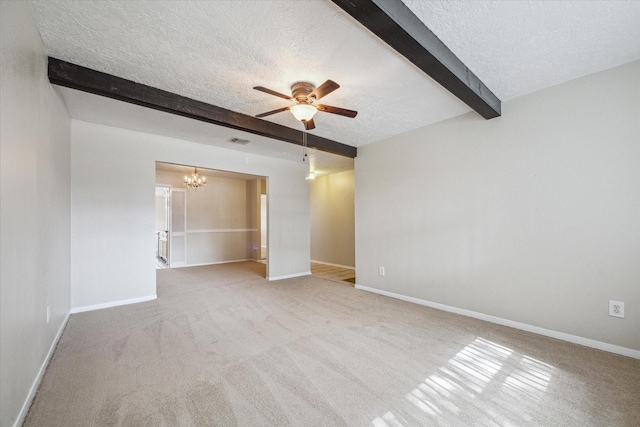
[73, 76]
[394, 23]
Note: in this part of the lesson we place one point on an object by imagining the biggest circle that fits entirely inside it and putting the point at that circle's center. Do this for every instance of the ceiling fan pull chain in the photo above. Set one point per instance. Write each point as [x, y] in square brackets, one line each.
[304, 146]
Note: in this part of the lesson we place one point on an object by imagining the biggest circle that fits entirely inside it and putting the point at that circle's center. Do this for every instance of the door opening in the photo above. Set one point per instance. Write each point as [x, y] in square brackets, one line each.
[332, 221]
[224, 221]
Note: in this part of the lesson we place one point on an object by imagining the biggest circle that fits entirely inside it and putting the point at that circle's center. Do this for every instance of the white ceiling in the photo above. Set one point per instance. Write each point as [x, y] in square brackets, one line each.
[216, 51]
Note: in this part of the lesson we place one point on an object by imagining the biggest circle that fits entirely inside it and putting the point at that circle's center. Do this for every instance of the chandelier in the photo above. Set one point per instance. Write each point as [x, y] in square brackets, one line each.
[195, 181]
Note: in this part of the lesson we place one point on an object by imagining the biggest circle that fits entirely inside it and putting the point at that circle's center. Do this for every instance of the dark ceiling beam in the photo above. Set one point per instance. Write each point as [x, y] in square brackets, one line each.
[394, 23]
[73, 76]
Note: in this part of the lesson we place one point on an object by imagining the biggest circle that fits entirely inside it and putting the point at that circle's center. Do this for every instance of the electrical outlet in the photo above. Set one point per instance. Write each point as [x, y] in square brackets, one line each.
[246, 160]
[48, 312]
[616, 309]
[381, 271]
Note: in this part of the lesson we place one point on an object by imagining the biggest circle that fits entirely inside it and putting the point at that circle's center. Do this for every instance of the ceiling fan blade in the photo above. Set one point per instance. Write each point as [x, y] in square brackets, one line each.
[268, 113]
[272, 92]
[337, 110]
[324, 89]
[309, 124]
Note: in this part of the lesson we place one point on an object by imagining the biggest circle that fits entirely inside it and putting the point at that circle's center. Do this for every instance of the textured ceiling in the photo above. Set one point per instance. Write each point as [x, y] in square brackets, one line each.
[518, 47]
[216, 51]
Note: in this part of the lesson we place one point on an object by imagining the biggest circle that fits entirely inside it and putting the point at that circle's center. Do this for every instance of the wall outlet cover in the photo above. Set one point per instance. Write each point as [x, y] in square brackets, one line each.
[616, 309]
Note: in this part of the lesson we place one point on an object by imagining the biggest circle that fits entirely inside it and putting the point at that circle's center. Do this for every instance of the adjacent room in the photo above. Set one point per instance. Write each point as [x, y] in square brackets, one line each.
[211, 217]
[320, 213]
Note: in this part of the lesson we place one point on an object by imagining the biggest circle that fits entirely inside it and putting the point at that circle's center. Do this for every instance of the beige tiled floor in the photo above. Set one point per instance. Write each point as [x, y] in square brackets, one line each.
[330, 272]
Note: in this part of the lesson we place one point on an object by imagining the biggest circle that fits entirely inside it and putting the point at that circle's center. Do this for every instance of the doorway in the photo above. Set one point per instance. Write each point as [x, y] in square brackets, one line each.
[221, 221]
[332, 222]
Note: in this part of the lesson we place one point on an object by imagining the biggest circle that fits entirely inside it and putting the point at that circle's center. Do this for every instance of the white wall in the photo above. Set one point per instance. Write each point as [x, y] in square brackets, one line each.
[332, 219]
[221, 220]
[532, 217]
[112, 224]
[35, 206]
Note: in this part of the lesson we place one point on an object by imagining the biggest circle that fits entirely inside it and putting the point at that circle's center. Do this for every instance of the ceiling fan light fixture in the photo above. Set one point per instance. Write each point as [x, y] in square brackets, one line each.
[303, 112]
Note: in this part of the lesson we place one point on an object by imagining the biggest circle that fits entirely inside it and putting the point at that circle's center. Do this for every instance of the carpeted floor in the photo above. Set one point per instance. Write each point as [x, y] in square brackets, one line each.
[222, 346]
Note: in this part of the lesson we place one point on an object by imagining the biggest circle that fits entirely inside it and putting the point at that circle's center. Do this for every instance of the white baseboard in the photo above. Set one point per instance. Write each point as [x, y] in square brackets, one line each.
[36, 382]
[112, 304]
[624, 351]
[333, 265]
[289, 276]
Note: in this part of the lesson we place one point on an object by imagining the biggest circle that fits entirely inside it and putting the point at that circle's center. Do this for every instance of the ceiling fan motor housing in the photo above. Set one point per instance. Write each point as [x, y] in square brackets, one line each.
[301, 91]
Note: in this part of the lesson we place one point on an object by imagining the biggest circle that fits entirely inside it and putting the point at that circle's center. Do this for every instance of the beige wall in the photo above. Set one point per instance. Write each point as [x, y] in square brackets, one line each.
[222, 224]
[332, 219]
[532, 217]
[35, 205]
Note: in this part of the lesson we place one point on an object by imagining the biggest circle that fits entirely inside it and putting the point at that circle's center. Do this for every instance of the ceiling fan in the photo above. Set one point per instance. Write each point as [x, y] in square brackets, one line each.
[304, 94]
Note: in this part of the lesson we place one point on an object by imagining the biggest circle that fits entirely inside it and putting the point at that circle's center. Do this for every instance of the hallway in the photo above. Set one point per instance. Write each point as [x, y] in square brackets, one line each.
[331, 272]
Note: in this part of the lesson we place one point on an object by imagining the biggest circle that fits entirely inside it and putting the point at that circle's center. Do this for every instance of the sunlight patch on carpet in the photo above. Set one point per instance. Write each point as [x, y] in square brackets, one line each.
[479, 366]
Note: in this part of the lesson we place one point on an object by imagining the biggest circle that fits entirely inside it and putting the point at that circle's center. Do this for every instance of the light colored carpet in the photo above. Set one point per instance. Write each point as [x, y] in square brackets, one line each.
[222, 346]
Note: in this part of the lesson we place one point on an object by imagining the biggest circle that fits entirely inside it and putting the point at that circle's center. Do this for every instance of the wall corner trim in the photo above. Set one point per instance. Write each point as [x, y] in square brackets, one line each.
[38, 379]
[587, 342]
[112, 304]
[289, 276]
